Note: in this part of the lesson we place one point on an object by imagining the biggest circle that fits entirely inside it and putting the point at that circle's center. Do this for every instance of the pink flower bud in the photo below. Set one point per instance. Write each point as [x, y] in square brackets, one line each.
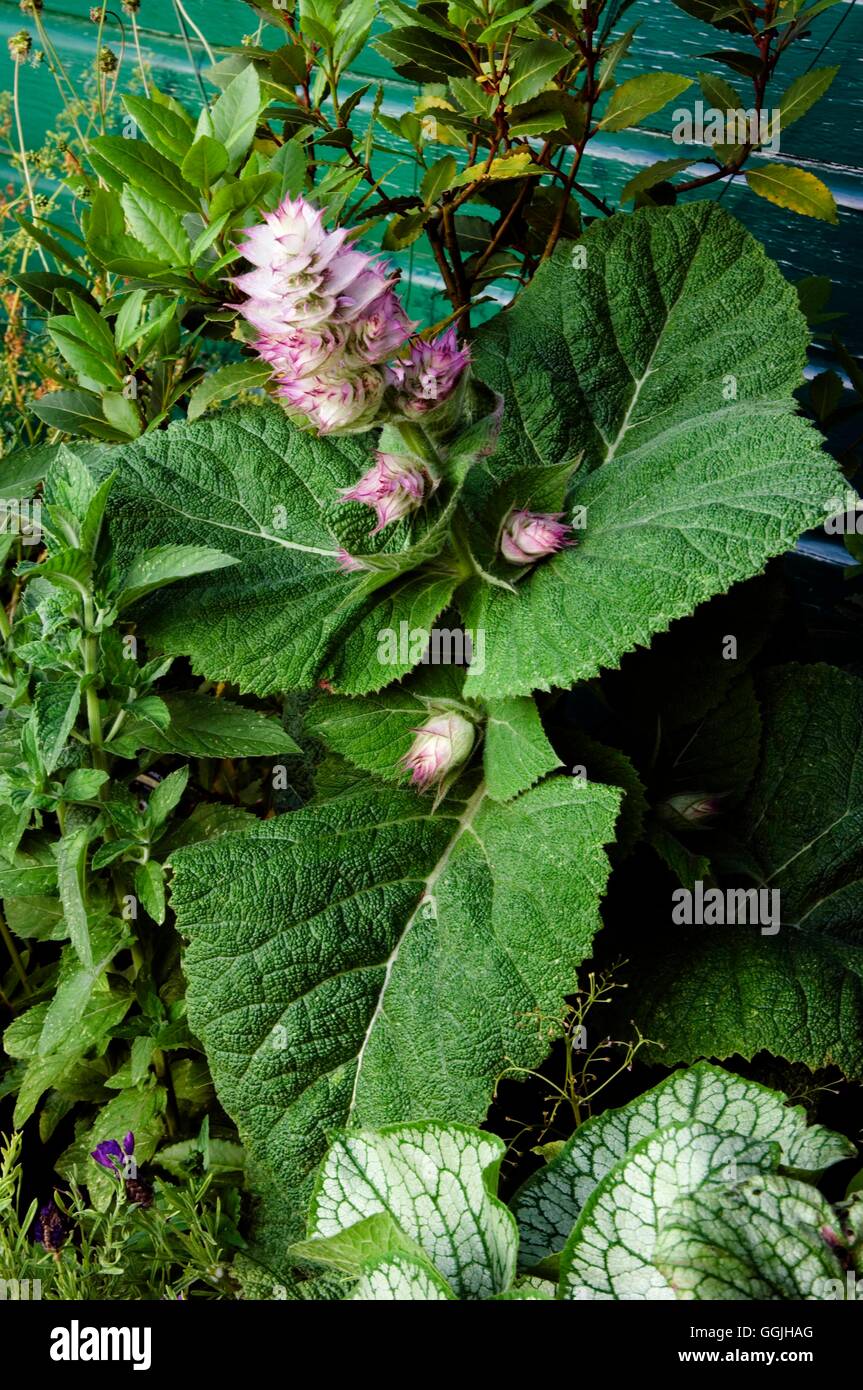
[394, 485]
[429, 374]
[345, 402]
[689, 807]
[528, 536]
[443, 743]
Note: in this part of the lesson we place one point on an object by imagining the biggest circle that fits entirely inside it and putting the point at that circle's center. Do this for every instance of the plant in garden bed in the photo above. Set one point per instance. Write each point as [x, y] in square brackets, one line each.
[90, 810]
[426, 538]
[159, 1241]
[507, 871]
[701, 1188]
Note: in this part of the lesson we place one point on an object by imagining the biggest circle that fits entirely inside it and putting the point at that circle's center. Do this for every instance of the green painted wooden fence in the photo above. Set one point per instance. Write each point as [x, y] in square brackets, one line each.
[829, 140]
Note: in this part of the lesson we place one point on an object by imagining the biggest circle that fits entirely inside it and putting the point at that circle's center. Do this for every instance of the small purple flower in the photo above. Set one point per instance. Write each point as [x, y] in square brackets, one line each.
[528, 536]
[105, 1154]
[429, 374]
[50, 1229]
[395, 485]
[108, 1154]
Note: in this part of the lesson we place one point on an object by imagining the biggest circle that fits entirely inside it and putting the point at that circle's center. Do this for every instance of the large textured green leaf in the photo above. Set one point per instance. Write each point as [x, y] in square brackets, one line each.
[548, 1205]
[253, 485]
[383, 1199]
[668, 361]
[517, 752]
[367, 961]
[757, 1240]
[716, 991]
[610, 1252]
[202, 727]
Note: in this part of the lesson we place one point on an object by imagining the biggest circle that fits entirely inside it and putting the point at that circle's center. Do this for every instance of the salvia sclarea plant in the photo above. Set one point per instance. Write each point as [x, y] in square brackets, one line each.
[423, 535]
[620, 446]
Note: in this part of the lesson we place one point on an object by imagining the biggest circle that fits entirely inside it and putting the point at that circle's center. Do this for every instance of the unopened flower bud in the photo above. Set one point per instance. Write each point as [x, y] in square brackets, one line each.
[138, 1192]
[528, 536]
[51, 1228]
[394, 486]
[107, 61]
[688, 808]
[442, 744]
[429, 374]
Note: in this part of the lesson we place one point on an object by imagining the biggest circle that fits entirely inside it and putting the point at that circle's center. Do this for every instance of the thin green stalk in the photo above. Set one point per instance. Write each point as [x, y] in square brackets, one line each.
[22, 149]
[90, 648]
[197, 32]
[14, 956]
[99, 83]
[137, 39]
[185, 36]
[58, 70]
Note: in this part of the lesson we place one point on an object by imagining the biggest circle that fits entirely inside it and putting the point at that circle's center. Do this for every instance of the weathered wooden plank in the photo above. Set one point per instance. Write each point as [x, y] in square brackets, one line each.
[828, 139]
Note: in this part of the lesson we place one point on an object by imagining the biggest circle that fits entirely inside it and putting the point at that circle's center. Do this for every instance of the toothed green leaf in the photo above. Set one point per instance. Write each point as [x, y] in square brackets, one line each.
[252, 485]
[367, 959]
[376, 731]
[798, 991]
[517, 752]
[669, 358]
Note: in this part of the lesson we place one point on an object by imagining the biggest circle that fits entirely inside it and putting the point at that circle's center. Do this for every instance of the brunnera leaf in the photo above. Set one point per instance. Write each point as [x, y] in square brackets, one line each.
[759, 1240]
[424, 1191]
[609, 1254]
[548, 1205]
